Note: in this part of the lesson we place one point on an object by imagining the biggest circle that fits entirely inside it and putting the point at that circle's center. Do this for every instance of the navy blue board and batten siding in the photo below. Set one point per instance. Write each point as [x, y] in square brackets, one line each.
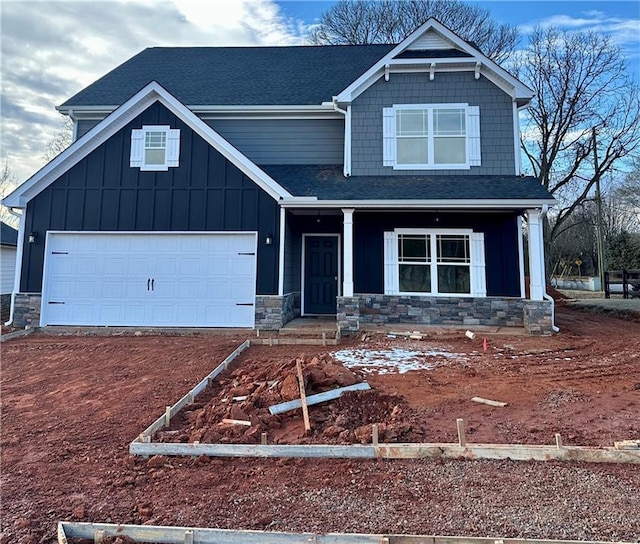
[496, 120]
[500, 238]
[206, 192]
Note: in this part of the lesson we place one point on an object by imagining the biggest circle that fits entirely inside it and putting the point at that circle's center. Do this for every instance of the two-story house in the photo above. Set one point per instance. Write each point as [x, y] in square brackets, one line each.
[244, 186]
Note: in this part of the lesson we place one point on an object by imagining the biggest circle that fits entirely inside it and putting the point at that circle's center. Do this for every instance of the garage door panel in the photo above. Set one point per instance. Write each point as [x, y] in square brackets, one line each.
[105, 279]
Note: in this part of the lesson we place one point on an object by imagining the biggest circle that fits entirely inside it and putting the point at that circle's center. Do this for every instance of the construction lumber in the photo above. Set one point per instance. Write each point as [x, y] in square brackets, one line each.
[226, 421]
[516, 452]
[627, 445]
[317, 399]
[303, 396]
[296, 341]
[16, 334]
[171, 411]
[489, 402]
[195, 535]
[462, 441]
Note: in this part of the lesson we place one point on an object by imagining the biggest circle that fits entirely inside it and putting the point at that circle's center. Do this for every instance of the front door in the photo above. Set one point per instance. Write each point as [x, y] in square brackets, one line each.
[320, 274]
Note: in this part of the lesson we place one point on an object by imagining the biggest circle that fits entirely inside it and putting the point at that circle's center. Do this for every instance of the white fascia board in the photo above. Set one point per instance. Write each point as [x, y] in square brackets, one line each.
[99, 112]
[519, 91]
[117, 120]
[417, 204]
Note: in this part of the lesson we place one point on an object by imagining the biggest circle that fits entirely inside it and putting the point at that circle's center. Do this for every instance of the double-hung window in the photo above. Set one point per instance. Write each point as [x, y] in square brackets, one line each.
[439, 136]
[435, 262]
[155, 147]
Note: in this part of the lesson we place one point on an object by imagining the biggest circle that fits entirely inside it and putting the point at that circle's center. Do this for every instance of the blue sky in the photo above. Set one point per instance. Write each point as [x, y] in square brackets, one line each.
[51, 50]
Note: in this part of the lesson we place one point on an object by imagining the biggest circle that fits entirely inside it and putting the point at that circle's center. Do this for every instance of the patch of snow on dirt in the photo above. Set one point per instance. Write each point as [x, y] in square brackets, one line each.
[395, 360]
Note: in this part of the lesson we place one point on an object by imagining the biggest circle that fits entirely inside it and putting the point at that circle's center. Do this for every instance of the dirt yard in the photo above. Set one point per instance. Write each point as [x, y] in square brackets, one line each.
[71, 405]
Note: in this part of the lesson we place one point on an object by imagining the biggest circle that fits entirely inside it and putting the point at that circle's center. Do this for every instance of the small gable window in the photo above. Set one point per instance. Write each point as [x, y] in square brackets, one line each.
[439, 136]
[155, 148]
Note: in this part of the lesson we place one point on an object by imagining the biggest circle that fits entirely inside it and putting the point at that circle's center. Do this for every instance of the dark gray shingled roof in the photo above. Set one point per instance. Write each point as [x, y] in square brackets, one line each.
[8, 235]
[300, 75]
[328, 183]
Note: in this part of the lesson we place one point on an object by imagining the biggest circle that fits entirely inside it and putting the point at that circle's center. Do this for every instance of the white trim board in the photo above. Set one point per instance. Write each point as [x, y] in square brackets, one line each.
[133, 107]
[461, 204]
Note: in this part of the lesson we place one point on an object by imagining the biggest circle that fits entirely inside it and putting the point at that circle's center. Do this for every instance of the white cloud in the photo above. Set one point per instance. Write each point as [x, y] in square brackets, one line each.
[623, 31]
[51, 50]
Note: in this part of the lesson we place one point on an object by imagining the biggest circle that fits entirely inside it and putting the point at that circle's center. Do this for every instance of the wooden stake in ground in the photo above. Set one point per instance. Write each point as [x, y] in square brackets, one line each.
[303, 397]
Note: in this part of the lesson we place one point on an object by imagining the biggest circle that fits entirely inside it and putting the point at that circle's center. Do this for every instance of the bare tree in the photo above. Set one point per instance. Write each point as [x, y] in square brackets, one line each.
[585, 116]
[8, 181]
[390, 21]
[60, 140]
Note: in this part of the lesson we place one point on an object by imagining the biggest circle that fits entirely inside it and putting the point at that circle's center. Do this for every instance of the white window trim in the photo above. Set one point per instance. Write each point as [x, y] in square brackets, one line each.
[477, 266]
[138, 148]
[472, 137]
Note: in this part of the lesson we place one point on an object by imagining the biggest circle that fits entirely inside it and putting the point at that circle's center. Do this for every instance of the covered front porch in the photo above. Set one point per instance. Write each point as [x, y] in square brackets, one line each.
[373, 267]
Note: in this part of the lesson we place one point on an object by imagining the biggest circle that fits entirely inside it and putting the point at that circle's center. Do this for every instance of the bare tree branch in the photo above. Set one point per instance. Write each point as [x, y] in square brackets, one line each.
[385, 21]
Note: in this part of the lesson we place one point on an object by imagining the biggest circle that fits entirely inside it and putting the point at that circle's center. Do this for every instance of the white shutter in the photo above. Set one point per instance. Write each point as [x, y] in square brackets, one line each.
[173, 147]
[136, 158]
[388, 137]
[390, 263]
[478, 268]
[473, 135]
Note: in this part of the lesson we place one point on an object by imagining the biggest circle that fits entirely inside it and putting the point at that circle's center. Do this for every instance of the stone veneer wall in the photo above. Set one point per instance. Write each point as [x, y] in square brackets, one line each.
[274, 311]
[5, 307]
[26, 312]
[538, 317]
[535, 316]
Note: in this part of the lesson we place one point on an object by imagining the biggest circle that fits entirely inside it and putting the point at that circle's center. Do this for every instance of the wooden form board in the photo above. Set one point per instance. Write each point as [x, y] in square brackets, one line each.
[188, 398]
[182, 535]
[516, 452]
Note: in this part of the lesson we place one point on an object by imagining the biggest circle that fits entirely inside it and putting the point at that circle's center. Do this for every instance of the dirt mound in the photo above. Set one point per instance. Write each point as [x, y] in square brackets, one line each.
[235, 409]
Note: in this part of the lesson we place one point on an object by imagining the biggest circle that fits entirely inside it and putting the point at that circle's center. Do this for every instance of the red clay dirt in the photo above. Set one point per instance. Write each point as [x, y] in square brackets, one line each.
[71, 405]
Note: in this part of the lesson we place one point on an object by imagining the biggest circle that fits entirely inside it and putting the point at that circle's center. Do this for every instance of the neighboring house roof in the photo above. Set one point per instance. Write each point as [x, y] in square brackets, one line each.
[327, 183]
[299, 75]
[8, 235]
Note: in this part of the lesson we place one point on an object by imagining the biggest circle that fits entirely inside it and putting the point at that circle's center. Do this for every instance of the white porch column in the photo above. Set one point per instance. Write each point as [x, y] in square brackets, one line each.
[347, 254]
[281, 248]
[536, 254]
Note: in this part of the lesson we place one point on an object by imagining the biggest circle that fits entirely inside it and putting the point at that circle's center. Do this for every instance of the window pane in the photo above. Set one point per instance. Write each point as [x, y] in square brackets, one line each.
[412, 151]
[454, 279]
[155, 139]
[413, 248]
[449, 122]
[411, 123]
[449, 150]
[415, 278]
[154, 156]
[452, 248]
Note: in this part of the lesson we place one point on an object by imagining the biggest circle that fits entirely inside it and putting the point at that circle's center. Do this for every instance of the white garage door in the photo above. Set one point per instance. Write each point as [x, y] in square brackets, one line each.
[149, 279]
